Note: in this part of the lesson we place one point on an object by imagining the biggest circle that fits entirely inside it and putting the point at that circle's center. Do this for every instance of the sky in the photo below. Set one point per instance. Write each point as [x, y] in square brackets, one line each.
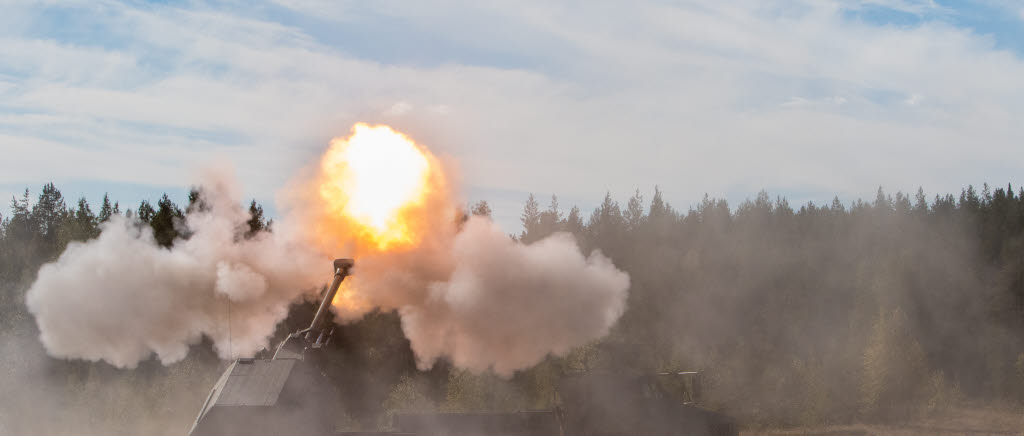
[805, 99]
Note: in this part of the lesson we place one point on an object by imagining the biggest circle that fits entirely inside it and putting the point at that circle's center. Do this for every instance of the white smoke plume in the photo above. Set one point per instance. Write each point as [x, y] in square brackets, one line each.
[508, 305]
[121, 297]
[473, 295]
[466, 292]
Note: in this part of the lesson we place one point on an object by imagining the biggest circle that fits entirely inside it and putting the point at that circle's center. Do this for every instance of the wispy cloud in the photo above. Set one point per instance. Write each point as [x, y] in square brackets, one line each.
[541, 97]
[911, 6]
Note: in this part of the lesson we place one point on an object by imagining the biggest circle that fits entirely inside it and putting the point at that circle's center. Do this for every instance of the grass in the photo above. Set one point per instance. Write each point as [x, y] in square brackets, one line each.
[994, 420]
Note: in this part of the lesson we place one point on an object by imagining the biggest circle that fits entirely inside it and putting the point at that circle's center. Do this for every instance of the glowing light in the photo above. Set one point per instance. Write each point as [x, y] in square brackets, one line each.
[372, 180]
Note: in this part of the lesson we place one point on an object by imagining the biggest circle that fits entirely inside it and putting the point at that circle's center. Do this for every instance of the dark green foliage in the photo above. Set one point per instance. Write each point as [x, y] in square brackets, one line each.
[32, 234]
[48, 214]
[606, 229]
[821, 314]
[106, 210]
[145, 212]
[166, 221]
[257, 222]
[79, 225]
[20, 240]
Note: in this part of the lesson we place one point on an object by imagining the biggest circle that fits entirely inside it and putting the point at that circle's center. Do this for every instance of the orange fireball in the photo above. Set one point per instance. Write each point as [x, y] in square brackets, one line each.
[380, 198]
[373, 181]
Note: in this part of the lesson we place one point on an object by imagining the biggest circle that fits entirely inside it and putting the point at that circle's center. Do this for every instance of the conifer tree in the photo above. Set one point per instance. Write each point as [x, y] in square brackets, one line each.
[574, 222]
[550, 219]
[902, 203]
[920, 202]
[606, 225]
[106, 210]
[48, 213]
[969, 201]
[145, 212]
[882, 202]
[22, 225]
[530, 219]
[659, 208]
[165, 221]
[82, 224]
[257, 222]
[49, 210]
[837, 206]
[634, 213]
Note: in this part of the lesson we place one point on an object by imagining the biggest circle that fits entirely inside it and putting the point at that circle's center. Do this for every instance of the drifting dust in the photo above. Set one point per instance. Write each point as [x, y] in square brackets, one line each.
[464, 290]
[989, 421]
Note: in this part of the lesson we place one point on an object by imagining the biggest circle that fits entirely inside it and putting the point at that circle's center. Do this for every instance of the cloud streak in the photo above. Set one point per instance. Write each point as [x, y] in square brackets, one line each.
[540, 97]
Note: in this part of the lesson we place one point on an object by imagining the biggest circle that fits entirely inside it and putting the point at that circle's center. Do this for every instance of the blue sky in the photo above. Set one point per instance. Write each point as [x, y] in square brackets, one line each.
[806, 99]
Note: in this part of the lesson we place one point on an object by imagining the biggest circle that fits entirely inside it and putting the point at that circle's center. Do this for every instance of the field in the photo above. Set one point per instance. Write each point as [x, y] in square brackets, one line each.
[969, 421]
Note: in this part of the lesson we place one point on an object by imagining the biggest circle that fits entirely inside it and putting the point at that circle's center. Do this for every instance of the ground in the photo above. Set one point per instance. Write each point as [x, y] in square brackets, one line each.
[969, 421]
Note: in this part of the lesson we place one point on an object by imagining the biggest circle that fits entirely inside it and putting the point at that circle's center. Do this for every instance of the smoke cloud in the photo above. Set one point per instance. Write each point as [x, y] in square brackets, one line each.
[465, 291]
[121, 297]
[507, 305]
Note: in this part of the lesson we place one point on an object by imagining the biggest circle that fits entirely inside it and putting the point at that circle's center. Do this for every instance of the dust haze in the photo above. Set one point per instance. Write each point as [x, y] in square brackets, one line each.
[877, 311]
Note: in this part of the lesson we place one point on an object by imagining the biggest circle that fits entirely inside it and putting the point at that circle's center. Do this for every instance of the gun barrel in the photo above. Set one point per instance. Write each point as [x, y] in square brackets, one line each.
[341, 270]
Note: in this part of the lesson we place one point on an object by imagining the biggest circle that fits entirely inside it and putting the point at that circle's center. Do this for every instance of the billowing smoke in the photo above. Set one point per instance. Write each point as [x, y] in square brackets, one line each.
[489, 303]
[122, 297]
[465, 291]
[508, 305]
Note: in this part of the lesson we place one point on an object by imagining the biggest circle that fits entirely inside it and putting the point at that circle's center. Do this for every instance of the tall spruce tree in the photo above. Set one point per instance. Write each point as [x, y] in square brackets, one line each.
[574, 221]
[550, 219]
[634, 213]
[49, 213]
[920, 202]
[145, 212]
[658, 209]
[106, 209]
[530, 219]
[257, 222]
[81, 224]
[165, 221]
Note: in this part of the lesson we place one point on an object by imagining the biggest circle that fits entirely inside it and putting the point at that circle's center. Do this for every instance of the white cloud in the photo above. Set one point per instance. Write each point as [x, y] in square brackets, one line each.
[697, 97]
[910, 6]
[400, 108]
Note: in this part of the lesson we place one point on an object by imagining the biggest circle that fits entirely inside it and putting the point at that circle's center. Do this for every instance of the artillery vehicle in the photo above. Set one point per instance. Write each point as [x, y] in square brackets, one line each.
[284, 395]
[289, 395]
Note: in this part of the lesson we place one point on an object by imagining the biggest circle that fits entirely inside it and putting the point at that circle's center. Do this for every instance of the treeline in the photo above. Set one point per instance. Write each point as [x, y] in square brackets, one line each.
[875, 310]
[33, 234]
[871, 311]
[42, 395]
